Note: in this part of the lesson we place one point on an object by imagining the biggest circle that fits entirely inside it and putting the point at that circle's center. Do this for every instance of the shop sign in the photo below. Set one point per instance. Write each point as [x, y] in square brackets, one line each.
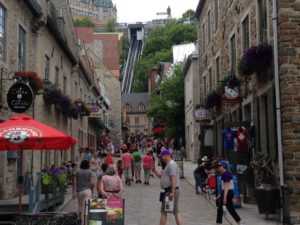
[202, 114]
[19, 97]
[95, 112]
[231, 94]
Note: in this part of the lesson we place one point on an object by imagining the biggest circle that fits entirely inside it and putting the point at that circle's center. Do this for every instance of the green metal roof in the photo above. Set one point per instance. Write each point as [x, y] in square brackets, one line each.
[103, 3]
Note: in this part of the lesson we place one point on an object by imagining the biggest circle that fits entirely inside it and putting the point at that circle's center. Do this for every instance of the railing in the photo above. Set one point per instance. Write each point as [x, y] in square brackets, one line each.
[34, 195]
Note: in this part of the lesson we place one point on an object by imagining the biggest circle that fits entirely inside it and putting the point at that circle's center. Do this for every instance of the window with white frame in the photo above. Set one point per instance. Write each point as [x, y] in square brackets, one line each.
[204, 87]
[216, 3]
[246, 33]
[203, 38]
[2, 33]
[21, 49]
[262, 20]
[56, 75]
[233, 53]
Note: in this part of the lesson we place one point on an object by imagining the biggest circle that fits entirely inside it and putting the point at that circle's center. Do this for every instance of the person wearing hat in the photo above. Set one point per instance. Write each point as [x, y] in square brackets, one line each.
[169, 182]
[227, 193]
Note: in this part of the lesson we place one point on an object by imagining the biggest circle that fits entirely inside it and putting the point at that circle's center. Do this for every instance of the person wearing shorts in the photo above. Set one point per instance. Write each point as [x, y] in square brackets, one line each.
[137, 167]
[127, 165]
[147, 166]
[170, 183]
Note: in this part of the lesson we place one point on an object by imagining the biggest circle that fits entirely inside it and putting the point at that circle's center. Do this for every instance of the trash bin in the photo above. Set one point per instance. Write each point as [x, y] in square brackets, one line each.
[268, 200]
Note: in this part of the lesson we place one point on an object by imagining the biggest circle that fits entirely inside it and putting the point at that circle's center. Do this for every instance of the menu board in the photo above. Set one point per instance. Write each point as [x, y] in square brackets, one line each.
[106, 211]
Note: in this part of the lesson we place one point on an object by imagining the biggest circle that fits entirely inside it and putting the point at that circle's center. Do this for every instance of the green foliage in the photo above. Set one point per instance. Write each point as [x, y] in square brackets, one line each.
[188, 18]
[86, 22]
[110, 26]
[167, 106]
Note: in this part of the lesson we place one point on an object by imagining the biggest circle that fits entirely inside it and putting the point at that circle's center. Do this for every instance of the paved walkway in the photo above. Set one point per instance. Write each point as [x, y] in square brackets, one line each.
[142, 206]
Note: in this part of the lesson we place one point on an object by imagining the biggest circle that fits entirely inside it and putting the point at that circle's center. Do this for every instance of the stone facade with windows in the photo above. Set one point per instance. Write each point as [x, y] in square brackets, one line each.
[240, 25]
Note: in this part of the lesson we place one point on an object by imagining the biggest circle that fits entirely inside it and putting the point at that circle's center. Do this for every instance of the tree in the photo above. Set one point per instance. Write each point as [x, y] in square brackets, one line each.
[110, 26]
[86, 22]
[167, 104]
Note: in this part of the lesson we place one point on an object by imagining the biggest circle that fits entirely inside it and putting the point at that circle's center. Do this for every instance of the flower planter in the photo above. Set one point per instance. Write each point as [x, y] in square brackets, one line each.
[268, 200]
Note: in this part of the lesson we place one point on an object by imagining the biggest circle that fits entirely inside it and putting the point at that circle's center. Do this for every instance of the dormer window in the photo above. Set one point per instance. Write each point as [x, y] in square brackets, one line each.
[141, 107]
[127, 107]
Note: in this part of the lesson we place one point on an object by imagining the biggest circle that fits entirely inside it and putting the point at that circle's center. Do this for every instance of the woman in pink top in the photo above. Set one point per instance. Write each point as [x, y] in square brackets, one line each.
[147, 165]
[111, 183]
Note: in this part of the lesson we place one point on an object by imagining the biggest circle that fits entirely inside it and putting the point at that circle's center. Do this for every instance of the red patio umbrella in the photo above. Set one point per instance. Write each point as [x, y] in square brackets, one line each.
[24, 133]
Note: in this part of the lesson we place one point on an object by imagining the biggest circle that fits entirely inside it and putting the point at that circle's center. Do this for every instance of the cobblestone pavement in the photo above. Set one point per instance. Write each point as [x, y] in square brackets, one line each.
[142, 206]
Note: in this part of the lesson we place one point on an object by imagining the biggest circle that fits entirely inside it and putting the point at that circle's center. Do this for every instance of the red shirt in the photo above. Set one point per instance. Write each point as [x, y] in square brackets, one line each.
[127, 160]
[109, 160]
[147, 161]
[242, 140]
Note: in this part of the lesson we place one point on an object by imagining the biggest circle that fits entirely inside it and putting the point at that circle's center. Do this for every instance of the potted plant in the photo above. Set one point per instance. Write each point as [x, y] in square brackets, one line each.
[213, 100]
[267, 193]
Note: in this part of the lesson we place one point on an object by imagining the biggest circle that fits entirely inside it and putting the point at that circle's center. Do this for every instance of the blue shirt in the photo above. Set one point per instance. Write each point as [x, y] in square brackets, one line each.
[228, 137]
[227, 178]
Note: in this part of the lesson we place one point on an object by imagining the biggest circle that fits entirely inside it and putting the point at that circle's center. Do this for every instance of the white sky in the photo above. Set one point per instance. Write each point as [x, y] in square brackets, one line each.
[131, 11]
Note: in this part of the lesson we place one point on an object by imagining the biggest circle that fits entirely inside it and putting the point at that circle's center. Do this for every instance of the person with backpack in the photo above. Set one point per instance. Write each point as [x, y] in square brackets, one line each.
[137, 165]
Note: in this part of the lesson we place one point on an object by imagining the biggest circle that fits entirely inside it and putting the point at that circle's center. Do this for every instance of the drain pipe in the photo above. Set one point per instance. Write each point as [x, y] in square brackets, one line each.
[284, 189]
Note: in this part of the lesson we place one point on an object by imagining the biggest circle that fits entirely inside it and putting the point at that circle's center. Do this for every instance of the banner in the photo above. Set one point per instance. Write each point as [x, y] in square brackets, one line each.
[106, 211]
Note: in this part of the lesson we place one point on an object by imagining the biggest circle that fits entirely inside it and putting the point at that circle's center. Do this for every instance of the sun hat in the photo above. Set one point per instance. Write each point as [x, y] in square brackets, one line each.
[205, 158]
[164, 152]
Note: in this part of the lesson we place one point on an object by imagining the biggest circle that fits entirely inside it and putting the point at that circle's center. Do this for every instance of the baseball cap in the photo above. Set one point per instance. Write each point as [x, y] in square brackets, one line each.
[164, 152]
[205, 158]
[223, 163]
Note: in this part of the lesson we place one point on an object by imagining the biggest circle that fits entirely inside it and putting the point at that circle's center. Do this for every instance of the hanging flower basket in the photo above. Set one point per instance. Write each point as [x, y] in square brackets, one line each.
[35, 82]
[84, 110]
[213, 100]
[52, 95]
[255, 59]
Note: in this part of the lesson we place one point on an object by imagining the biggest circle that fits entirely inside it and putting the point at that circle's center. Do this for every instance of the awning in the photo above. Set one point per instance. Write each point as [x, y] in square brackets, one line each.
[157, 130]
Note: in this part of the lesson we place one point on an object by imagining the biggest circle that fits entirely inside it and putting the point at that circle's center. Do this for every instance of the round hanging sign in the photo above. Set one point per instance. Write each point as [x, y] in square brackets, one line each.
[19, 97]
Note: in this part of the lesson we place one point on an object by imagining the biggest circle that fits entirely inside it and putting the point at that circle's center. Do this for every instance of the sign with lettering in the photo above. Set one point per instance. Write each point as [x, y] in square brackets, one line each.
[202, 114]
[19, 97]
[95, 112]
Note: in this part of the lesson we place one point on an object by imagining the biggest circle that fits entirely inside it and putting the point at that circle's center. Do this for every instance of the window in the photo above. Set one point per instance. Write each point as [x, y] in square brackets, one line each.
[2, 33]
[203, 38]
[210, 79]
[233, 53]
[218, 69]
[246, 37]
[76, 90]
[47, 67]
[262, 20]
[21, 49]
[208, 27]
[127, 108]
[216, 14]
[204, 87]
[141, 107]
[137, 120]
[56, 75]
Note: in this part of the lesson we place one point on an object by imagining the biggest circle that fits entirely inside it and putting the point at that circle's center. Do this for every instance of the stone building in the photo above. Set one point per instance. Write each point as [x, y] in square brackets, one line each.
[228, 31]
[134, 106]
[99, 11]
[39, 36]
[191, 102]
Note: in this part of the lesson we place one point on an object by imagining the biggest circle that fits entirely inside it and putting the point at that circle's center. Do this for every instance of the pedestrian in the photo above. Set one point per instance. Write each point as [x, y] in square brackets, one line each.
[111, 183]
[127, 164]
[137, 165]
[83, 184]
[147, 166]
[108, 158]
[120, 168]
[95, 168]
[169, 182]
[225, 200]
[198, 178]
[104, 168]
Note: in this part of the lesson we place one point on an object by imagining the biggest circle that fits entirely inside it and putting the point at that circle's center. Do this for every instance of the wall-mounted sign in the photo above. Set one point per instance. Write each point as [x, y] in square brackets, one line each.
[19, 97]
[202, 114]
[95, 112]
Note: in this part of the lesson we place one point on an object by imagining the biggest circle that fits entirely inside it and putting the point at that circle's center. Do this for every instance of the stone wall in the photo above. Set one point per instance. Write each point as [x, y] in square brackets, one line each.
[289, 62]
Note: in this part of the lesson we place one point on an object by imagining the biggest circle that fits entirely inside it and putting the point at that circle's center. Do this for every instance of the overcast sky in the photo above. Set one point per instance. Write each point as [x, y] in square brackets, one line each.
[145, 10]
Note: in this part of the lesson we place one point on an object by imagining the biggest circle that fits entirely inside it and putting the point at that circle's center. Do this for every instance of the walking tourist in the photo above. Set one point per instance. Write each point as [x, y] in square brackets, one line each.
[127, 164]
[111, 183]
[108, 158]
[104, 168]
[147, 166]
[137, 167]
[83, 183]
[225, 201]
[169, 182]
[95, 168]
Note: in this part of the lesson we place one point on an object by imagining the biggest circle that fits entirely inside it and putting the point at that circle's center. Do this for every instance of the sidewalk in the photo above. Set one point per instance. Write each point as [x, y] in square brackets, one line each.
[248, 213]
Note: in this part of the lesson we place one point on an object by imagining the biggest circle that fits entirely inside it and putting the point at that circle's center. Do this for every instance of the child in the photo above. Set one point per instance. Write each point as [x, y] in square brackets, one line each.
[120, 168]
